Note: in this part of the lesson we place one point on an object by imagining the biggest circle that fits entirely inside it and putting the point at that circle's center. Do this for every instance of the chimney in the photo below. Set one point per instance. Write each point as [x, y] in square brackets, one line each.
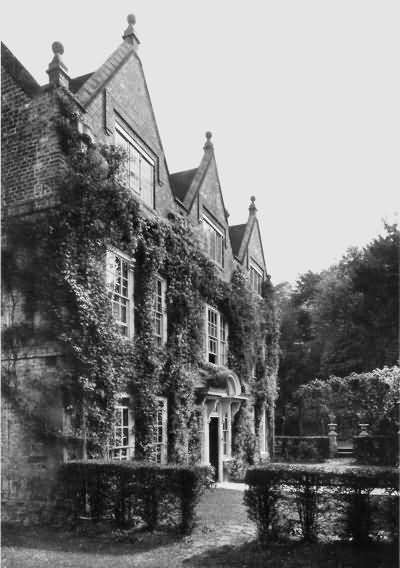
[252, 207]
[57, 71]
[208, 144]
[129, 34]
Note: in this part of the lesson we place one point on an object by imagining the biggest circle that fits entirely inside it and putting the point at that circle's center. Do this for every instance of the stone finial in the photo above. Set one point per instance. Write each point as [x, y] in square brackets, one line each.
[129, 34]
[58, 71]
[252, 207]
[208, 144]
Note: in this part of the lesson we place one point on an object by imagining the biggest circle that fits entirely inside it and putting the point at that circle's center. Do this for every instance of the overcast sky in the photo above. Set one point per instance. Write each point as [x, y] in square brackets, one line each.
[302, 97]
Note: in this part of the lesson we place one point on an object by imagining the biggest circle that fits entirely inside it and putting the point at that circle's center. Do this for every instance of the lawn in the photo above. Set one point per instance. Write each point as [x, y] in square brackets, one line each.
[224, 537]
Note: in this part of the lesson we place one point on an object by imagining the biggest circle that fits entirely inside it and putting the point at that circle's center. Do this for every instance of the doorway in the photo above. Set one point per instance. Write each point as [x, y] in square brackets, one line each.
[214, 445]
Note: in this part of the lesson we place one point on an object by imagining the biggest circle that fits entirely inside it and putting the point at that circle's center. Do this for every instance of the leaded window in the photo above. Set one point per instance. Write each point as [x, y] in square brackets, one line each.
[214, 241]
[138, 170]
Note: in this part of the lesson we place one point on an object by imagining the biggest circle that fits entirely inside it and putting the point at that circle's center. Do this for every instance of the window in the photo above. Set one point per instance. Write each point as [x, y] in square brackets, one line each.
[120, 282]
[225, 434]
[263, 432]
[214, 240]
[160, 432]
[123, 442]
[138, 173]
[216, 337]
[256, 277]
[159, 312]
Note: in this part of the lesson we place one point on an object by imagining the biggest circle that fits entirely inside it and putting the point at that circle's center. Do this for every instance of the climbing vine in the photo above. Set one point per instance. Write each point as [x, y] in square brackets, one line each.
[56, 291]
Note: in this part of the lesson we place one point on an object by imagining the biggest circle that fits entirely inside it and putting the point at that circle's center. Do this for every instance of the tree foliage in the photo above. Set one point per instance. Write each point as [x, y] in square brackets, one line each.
[343, 320]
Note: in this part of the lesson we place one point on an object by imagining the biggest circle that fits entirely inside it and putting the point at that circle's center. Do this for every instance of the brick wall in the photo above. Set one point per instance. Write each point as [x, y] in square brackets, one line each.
[29, 463]
[31, 156]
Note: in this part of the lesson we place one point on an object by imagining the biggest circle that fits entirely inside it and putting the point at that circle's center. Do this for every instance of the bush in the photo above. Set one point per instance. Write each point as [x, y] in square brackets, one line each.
[128, 493]
[376, 450]
[302, 448]
[311, 488]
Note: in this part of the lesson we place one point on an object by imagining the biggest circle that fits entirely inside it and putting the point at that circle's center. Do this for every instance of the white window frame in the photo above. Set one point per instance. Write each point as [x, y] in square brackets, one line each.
[160, 438]
[134, 150]
[124, 422]
[117, 285]
[160, 311]
[217, 255]
[226, 437]
[216, 337]
[256, 275]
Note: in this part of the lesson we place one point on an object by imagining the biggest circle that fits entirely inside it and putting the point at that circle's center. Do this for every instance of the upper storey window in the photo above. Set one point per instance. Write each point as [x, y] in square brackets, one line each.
[120, 282]
[256, 277]
[217, 335]
[214, 240]
[159, 311]
[138, 173]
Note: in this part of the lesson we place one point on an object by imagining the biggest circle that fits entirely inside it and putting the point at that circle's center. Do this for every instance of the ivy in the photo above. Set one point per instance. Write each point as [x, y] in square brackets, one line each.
[56, 290]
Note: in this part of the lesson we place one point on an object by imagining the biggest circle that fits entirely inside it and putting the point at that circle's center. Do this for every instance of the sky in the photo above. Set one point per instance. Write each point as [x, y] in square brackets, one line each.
[302, 98]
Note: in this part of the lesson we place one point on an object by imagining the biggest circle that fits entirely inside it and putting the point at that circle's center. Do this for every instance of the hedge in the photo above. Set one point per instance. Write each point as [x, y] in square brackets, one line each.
[310, 493]
[376, 450]
[302, 448]
[128, 493]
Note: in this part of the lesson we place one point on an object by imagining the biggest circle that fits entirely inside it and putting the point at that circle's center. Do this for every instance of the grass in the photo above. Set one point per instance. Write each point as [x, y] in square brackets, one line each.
[224, 537]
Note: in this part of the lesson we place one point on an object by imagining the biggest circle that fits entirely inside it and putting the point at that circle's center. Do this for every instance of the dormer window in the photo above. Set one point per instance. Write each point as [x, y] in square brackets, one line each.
[138, 171]
[256, 277]
[214, 240]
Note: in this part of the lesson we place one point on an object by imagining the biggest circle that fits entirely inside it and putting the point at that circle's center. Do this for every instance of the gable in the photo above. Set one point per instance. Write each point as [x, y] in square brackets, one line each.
[255, 248]
[118, 92]
[210, 195]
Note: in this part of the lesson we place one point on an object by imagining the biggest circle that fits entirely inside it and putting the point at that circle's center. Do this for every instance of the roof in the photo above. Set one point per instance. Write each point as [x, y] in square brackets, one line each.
[236, 233]
[20, 75]
[76, 84]
[181, 181]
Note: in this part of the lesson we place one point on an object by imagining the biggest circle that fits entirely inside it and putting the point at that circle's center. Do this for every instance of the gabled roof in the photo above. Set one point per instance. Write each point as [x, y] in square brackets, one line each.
[181, 181]
[18, 72]
[97, 80]
[186, 184]
[236, 234]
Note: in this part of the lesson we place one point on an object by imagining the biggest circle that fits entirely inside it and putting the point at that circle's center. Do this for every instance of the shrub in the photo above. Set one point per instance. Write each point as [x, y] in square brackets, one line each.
[311, 487]
[376, 450]
[302, 448]
[130, 492]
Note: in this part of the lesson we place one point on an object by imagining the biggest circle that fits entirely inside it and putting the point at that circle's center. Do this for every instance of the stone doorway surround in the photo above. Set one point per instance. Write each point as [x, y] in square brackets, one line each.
[219, 403]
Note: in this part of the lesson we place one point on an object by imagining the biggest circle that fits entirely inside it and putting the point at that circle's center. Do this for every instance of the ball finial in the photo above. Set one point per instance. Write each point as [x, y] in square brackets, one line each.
[57, 48]
[252, 199]
[131, 19]
[208, 135]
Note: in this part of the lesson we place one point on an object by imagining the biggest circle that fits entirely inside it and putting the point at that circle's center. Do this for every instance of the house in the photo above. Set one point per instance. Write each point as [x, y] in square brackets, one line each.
[137, 323]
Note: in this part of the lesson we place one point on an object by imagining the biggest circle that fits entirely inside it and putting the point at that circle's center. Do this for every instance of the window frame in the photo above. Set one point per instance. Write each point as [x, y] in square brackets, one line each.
[220, 337]
[123, 452]
[111, 277]
[160, 445]
[220, 238]
[256, 270]
[127, 176]
[160, 314]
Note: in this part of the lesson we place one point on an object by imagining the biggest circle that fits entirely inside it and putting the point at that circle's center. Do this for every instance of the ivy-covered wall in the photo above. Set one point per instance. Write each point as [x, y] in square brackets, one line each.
[55, 295]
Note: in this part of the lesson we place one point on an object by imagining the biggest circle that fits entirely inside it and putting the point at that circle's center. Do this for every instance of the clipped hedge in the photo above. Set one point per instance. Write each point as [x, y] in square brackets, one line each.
[304, 494]
[376, 450]
[131, 493]
[302, 448]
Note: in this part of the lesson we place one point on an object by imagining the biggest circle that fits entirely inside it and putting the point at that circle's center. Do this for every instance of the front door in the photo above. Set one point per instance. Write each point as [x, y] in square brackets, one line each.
[213, 445]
